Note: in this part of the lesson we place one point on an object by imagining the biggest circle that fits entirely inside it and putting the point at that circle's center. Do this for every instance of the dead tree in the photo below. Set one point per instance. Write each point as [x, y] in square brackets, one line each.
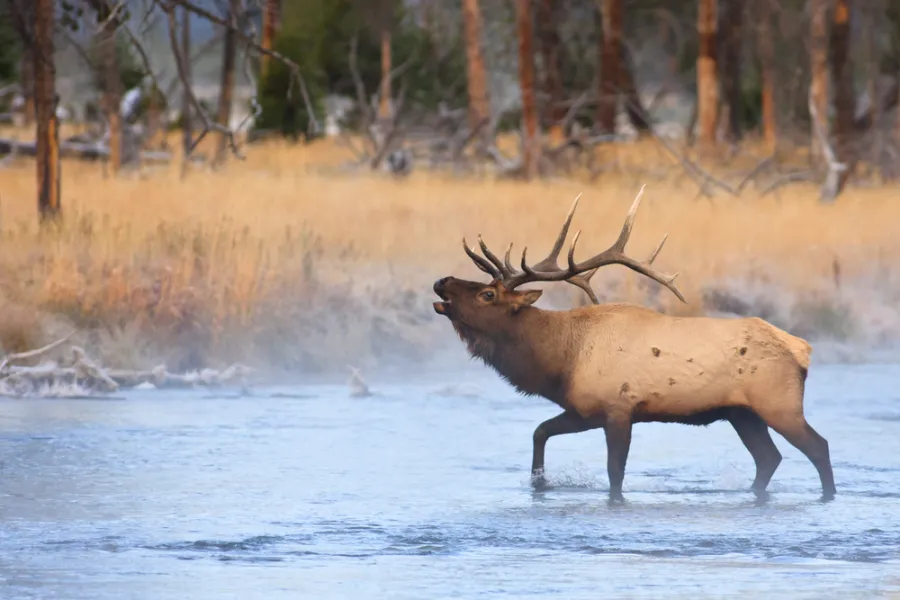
[610, 80]
[707, 74]
[226, 89]
[765, 48]
[110, 80]
[844, 97]
[187, 125]
[531, 142]
[818, 55]
[479, 97]
[45, 102]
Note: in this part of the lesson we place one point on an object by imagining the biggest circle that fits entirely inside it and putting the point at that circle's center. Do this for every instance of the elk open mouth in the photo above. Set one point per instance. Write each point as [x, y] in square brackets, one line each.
[442, 308]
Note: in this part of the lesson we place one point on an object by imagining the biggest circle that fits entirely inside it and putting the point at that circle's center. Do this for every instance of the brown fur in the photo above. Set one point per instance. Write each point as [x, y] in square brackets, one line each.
[612, 365]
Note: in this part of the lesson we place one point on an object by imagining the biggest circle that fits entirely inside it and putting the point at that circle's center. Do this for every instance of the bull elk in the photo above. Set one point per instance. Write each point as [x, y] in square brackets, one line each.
[613, 365]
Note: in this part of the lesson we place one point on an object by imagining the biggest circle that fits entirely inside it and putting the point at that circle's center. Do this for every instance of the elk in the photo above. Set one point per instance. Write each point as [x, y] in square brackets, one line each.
[613, 365]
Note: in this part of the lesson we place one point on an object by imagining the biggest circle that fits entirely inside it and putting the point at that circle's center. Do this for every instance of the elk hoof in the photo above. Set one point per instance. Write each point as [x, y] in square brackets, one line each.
[615, 495]
[762, 496]
[538, 481]
[616, 499]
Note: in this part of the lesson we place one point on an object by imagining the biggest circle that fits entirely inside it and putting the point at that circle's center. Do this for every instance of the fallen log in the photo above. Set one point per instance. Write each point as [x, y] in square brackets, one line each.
[77, 149]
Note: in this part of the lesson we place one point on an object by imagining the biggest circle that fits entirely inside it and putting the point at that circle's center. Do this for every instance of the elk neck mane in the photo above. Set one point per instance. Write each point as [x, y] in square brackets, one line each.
[532, 350]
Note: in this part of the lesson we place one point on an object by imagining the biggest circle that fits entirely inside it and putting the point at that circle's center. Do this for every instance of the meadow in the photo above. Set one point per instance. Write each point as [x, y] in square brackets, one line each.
[286, 263]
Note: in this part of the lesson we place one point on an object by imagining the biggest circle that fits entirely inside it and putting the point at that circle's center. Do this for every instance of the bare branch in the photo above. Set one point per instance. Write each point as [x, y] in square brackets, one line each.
[831, 187]
[208, 123]
[294, 68]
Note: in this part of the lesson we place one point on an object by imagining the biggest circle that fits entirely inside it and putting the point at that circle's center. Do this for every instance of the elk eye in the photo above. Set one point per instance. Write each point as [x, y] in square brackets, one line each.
[488, 295]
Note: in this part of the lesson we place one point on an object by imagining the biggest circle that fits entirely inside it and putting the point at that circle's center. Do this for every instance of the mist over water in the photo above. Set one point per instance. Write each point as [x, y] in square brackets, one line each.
[422, 491]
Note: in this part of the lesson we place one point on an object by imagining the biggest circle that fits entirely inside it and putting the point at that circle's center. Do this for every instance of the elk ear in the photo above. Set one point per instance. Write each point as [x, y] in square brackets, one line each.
[531, 296]
[526, 299]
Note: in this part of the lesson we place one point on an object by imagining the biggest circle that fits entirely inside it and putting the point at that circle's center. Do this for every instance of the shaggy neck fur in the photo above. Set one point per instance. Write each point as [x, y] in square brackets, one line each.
[533, 351]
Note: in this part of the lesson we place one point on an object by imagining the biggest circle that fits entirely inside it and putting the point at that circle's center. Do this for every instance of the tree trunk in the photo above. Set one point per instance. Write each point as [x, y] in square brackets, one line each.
[223, 116]
[819, 75]
[48, 165]
[610, 80]
[707, 79]
[27, 77]
[766, 50]
[731, 40]
[271, 22]
[479, 98]
[531, 146]
[187, 126]
[844, 97]
[112, 91]
[551, 83]
[385, 100]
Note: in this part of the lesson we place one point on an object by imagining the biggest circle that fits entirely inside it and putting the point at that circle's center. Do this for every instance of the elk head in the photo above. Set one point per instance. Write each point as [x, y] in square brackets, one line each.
[479, 306]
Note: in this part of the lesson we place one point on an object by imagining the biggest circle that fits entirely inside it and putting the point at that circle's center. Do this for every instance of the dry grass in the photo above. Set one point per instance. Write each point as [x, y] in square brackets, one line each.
[275, 262]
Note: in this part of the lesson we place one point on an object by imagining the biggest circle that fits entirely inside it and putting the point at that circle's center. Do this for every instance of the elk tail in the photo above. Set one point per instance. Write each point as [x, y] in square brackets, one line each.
[800, 349]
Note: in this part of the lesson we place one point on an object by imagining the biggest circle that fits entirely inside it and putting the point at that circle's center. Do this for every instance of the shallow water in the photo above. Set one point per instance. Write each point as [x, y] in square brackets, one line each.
[423, 492]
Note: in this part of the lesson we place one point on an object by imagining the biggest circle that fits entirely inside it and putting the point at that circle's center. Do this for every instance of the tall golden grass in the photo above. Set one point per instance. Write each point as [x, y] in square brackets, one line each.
[273, 260]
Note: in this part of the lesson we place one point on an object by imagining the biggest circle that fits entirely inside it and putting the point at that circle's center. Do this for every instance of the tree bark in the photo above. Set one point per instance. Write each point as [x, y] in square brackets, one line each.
[844, 97]
[819, 75]
[479, 97]
[531, 147]
[271, 22]
[707, 76]
[226, 92]
[187, 125]
[551, 83]
[766, 53]
[610, 80]
[45, 100]
[731, 44]
[385, 100]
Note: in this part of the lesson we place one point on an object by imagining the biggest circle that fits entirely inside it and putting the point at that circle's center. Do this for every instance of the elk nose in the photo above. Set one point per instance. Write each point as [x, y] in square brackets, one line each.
[439, 284]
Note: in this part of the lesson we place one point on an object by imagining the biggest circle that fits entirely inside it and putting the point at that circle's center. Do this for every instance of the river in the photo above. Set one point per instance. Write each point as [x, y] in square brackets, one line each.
[422, 492]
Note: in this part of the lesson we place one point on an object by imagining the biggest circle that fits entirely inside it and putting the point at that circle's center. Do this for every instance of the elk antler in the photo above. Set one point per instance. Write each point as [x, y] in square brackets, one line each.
[577, 274]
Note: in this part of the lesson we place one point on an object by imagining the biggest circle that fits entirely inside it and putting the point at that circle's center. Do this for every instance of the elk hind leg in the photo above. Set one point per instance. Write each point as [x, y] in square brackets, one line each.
[807, 440]
[754, 434]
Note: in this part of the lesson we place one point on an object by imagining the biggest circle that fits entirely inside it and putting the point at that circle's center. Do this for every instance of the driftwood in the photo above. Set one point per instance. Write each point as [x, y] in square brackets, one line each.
[358, 386]
[85, 150]
[80, 376]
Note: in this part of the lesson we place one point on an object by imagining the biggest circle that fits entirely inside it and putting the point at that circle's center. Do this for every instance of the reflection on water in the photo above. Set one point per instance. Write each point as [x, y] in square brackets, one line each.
[420, 492]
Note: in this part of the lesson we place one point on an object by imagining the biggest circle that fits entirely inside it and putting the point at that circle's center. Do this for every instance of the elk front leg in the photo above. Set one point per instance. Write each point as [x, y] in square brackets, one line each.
[567, 422]
[618, 442]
